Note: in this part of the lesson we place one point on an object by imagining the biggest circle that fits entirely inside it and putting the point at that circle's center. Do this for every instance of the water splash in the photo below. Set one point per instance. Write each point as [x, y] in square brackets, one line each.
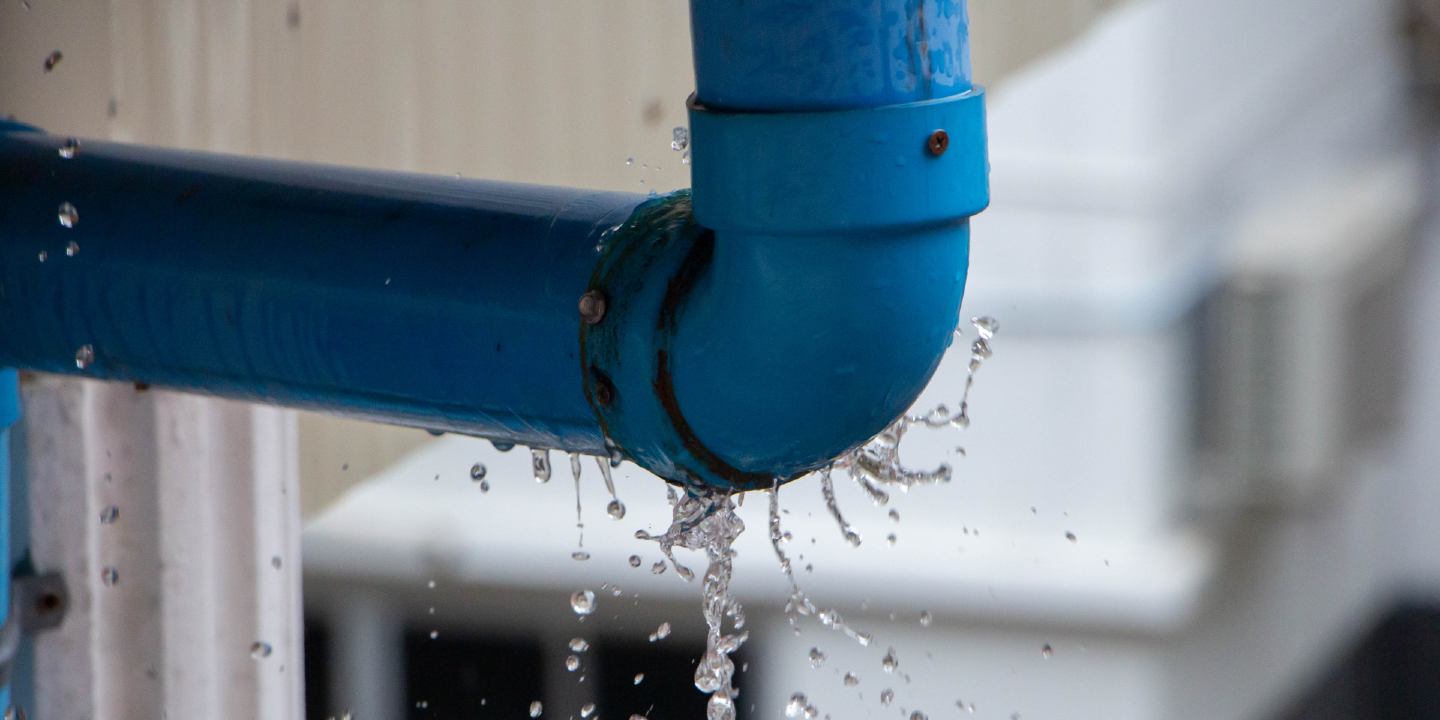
[877, 463]
[827, 488]
[579, 521]
[615, 509]
[798, 604]
[704, 519]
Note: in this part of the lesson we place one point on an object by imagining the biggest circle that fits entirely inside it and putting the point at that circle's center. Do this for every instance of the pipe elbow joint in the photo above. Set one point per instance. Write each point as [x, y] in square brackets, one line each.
[798, 302]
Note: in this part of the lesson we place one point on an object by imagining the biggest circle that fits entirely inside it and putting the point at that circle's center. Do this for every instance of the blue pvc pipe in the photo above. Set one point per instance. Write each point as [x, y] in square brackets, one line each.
[9, 413]
[437, 302]
[795, 312]
[788, 55]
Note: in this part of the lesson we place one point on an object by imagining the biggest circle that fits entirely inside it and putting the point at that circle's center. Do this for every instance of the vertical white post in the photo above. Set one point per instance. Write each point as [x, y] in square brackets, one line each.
[175, 519]
[367, 658]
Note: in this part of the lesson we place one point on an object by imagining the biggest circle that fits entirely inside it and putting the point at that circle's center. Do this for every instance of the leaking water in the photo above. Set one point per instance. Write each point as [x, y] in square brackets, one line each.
[583, 602]
[798, 603]
[540, 463]
[704, 519]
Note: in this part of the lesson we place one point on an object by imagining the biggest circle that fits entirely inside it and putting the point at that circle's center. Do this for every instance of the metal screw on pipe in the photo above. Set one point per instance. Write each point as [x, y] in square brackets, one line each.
[592, 307]
[938, 143]
[604, 391]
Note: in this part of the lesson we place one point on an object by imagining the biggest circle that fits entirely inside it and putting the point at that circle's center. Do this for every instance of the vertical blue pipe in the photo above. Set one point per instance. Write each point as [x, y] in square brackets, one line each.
[9, 413]
[784, 55]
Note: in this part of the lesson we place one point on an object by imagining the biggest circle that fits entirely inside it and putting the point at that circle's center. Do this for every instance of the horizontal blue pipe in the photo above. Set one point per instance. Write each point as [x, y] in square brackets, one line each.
[436, 302]
[788, 55]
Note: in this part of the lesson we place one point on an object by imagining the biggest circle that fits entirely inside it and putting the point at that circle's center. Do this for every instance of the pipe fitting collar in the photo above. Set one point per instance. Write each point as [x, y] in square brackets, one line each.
[838, 172]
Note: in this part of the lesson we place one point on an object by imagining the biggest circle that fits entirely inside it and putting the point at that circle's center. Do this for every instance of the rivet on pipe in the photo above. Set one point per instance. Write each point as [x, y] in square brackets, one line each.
[592, 307]
[939, 141]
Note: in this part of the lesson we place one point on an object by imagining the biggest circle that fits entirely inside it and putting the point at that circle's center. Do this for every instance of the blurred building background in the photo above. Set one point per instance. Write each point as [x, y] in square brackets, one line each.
[1203, 478]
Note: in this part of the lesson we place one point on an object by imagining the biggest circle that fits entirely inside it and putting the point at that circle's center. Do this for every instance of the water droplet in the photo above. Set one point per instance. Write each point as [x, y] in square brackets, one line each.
[109, 575]
[917, 715]
[572, 663]
[851, 680]
[502, 446]
[661, 632]
[817, 658]
[275, 562]
[980, 350]
[579, 645]
[536, 708]
[895, 515]
[987, 326]
[69, 216]
[1071, 537]
[484, 486]
[109, 515]
[540, 462]
[629, 161]
[583, 602]
[260, 650]
[796, 706]
[1046, 651]
[580, 555]
[434, 634]
[53, 59]
[422, 704]
[639, 678]
[634, 561]
[658, 568]
[681, 139]
[889, 662]
[430, 584]
[587, 710]
[477, 472]
[638, 716]
[615, 509]
[84, 356]
[887, 696]
[890, 538]
[43, 255]
[68, 150]
[685, 159]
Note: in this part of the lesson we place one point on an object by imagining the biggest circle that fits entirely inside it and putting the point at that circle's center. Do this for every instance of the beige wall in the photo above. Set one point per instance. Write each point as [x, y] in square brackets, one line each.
[547, 91]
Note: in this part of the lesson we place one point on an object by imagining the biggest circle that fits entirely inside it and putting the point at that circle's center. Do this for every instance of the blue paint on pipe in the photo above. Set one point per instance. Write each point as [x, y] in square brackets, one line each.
[436, 302]
[789, 55]
[9, 413]
[799, 309]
